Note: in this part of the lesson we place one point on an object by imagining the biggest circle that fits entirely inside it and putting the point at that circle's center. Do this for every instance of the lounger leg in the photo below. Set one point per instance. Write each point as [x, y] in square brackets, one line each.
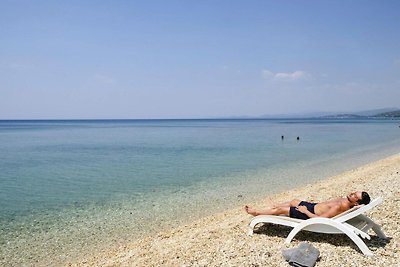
[356, 239]
[252, 224]
[250, 232]
[375, 227]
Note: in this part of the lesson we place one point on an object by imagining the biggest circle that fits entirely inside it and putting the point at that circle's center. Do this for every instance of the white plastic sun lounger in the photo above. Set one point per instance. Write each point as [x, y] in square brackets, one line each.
[353, 223]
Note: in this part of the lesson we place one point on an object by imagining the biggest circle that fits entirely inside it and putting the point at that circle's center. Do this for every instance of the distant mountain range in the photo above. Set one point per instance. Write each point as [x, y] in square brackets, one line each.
[372, 114]
[391, 114]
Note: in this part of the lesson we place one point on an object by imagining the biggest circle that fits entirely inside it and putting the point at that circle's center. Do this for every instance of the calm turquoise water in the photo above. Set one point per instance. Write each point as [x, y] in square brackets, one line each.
[112, 177]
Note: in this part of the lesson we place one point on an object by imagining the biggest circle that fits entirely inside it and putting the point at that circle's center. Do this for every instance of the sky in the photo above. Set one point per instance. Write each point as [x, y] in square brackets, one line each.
[196, 59]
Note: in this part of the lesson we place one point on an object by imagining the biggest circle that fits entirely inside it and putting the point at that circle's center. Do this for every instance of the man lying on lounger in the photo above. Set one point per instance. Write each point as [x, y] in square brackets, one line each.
[305, 210]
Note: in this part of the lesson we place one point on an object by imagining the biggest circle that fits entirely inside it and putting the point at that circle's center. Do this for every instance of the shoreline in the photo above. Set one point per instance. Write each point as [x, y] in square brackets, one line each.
[221, 239]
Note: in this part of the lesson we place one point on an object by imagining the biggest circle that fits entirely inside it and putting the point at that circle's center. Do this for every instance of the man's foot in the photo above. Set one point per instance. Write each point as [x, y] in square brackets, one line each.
[250, 210]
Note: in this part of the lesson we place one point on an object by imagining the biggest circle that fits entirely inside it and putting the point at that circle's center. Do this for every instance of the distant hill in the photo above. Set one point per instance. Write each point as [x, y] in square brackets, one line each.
[367, 115]
[374, 113]
[344, 116]
[390, 114]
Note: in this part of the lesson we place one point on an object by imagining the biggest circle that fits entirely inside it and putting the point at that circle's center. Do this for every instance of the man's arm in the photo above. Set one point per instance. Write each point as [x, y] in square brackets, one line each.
[332, 212]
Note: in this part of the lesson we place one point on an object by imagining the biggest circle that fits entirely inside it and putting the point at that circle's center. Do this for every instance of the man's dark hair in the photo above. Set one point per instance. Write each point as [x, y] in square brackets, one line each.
[365, 199]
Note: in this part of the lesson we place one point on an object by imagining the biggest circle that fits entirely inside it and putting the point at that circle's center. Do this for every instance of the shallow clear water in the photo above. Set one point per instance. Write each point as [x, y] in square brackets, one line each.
[101, 183]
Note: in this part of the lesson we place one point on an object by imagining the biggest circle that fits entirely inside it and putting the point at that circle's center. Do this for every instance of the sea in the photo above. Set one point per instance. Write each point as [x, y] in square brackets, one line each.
[72, 188]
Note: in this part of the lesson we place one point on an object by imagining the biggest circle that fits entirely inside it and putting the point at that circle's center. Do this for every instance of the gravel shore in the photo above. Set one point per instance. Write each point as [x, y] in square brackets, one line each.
[222, 240]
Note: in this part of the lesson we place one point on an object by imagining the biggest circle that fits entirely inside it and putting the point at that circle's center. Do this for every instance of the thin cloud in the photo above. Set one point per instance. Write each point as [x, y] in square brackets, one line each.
[286, 76]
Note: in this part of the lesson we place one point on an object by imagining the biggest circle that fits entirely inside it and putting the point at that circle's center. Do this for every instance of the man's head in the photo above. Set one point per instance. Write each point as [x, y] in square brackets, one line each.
[358, 198]
[365, 199]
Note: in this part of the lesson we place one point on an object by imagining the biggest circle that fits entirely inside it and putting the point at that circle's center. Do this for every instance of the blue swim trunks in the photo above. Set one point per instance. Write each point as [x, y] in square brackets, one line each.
[293, 213]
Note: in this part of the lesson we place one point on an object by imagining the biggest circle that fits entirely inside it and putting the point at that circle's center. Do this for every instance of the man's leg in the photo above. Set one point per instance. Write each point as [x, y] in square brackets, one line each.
[269, 211]
[279, 209]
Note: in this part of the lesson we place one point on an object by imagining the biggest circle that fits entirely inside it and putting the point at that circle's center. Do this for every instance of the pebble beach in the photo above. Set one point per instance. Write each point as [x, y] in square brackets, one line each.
[222, 239]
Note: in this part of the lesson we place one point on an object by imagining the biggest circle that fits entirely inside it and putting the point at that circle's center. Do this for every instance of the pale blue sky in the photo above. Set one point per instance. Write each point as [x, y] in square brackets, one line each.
[191, 59]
